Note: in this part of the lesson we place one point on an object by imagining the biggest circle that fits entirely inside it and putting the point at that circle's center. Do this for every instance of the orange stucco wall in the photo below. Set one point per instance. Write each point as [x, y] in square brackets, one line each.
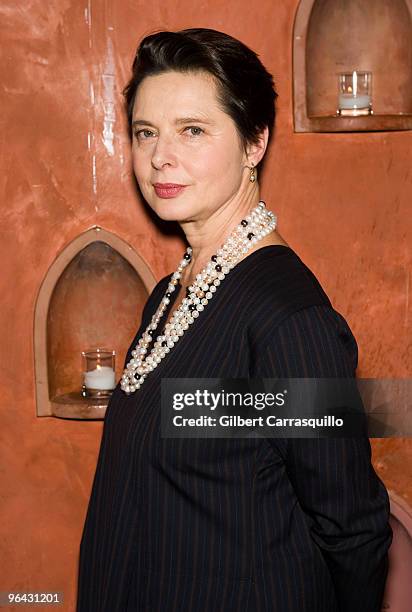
[343, 203]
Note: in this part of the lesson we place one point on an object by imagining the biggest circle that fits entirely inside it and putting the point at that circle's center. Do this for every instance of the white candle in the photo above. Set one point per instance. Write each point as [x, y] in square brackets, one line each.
[349, 101]
[102, 377]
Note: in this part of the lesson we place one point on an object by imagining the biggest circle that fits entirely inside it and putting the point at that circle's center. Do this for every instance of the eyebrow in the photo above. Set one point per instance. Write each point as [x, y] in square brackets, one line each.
[179, 121]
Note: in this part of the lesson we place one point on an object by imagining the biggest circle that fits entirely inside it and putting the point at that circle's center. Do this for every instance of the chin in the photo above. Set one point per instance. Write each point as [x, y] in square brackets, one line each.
[169, 215]
[172, 210]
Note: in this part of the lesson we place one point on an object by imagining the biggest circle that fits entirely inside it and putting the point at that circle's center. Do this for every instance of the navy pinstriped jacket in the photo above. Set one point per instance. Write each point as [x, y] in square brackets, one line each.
[237, 525]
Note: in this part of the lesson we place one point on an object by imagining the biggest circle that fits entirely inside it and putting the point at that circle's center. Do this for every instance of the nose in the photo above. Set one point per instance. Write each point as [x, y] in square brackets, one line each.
[163, 153]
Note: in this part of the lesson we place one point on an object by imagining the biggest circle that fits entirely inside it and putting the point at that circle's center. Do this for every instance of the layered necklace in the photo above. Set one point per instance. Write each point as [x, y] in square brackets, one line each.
[250, 230]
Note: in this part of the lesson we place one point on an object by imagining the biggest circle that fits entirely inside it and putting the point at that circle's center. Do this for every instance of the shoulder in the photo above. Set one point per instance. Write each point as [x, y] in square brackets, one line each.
[277, 276]
[277, 283]
[290, 315]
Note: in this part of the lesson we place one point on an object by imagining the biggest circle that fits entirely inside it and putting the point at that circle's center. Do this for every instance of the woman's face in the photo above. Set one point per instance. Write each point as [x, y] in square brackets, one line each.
[182, 136]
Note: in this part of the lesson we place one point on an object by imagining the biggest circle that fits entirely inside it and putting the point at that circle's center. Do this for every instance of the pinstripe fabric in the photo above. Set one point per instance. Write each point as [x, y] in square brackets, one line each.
[254, 525]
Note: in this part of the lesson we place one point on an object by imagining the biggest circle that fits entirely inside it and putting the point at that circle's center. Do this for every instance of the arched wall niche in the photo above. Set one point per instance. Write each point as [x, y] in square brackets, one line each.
[332, 36]
[92, 296]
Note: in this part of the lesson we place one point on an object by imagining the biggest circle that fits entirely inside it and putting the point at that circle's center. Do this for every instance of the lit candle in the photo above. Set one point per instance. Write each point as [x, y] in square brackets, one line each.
[103, 377]
[354, 94]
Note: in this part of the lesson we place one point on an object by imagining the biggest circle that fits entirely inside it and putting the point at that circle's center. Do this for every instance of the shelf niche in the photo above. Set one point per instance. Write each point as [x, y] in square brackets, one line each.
[332, 36]
[92, 296]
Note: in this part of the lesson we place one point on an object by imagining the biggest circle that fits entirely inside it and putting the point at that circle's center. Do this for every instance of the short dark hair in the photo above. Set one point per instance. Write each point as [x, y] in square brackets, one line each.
[246, 89]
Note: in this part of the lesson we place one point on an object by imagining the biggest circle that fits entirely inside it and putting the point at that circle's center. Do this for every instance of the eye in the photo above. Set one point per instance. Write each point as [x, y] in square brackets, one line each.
[139, 134]
[194, 127]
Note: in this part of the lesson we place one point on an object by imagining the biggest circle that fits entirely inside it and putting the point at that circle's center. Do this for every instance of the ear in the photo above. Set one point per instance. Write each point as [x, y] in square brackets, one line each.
[255, 152]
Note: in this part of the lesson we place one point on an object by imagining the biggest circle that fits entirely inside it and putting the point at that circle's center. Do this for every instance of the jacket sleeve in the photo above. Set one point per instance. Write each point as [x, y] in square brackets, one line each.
[346, 504]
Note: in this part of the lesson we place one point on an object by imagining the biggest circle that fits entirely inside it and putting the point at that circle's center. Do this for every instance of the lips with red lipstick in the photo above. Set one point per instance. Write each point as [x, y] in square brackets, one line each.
[168, 190]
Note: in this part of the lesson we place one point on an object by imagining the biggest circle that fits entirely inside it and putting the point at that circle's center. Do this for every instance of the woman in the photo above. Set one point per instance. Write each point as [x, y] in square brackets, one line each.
[222, 525]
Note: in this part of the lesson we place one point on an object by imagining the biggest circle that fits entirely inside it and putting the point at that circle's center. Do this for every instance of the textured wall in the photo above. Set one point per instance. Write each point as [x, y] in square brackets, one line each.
[342, 200]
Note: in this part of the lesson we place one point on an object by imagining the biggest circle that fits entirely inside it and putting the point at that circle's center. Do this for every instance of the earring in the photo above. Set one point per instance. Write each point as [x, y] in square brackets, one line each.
[252, 177]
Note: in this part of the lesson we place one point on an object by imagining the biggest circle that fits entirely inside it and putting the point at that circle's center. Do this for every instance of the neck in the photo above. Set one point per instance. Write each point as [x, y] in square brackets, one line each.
[206, 236]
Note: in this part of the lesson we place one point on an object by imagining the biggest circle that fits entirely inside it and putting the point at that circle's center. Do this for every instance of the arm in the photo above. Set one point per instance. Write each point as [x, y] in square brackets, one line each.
[346, 504]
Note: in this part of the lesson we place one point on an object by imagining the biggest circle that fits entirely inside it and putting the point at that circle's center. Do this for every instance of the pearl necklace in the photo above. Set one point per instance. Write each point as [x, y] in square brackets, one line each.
[257, 224]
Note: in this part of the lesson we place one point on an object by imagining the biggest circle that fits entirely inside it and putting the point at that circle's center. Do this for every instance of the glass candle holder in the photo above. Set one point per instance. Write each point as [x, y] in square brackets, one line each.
[99, 377]
[355, 93]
